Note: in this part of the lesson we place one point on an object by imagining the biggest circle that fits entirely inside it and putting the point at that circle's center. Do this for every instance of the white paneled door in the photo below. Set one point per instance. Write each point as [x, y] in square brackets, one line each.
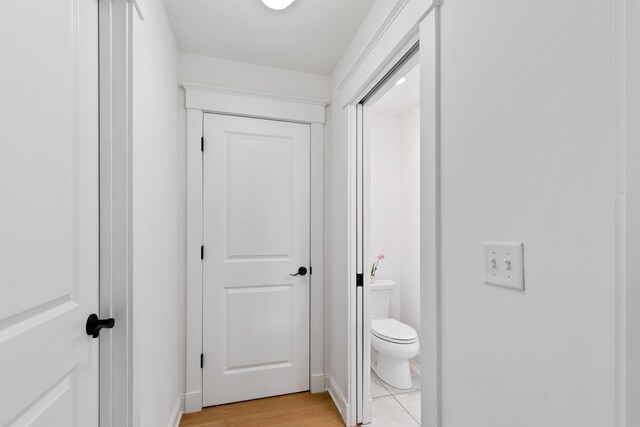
[256, 242]
[48, 212]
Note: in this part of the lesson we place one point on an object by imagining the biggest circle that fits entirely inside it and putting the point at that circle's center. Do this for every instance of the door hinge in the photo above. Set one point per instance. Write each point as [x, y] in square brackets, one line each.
[202, 144]
[201, 252]
[201, 360]
[359, 279]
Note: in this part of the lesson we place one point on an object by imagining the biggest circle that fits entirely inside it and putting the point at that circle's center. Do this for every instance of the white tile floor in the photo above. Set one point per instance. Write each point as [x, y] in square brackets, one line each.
[393, 407]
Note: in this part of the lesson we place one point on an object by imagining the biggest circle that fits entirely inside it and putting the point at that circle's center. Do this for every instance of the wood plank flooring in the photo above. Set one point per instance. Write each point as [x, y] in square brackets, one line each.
[300, 409]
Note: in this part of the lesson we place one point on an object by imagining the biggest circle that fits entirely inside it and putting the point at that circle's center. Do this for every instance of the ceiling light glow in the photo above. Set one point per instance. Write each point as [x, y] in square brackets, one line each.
[402, 80]
[278, 4]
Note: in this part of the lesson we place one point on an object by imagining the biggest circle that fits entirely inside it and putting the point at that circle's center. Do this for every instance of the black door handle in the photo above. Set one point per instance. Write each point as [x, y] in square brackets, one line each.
[94, 324]
[301, 272]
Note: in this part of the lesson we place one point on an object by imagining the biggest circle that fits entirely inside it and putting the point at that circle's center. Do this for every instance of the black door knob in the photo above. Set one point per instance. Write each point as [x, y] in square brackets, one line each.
[301, 272]
[94, 324]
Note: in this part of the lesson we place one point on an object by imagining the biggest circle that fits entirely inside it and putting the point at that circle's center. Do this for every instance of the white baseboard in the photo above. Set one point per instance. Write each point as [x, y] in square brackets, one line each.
[178, 410]
[193, 402]
[318, 383]
[338, 399]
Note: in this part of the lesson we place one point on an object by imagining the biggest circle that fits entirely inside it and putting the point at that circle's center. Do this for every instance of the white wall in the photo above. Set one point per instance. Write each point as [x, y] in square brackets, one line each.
[410, 231]
[395, 207]
[385, 198]
[335, 250]
[630, 201]
[528, 155]
[226, 73]
[159, 227]
[528, 97]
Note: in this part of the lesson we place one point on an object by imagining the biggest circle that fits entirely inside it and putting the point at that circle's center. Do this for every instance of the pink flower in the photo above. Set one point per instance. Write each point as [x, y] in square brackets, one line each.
[374, 267]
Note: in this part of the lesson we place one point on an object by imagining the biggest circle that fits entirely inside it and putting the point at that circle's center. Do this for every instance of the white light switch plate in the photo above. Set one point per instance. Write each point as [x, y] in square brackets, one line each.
[504, 264]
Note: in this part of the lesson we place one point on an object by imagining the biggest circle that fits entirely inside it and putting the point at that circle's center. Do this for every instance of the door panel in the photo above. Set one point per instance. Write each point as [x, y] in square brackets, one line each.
[271, 232]
[261, 345]
[256, 232]
[49, 215]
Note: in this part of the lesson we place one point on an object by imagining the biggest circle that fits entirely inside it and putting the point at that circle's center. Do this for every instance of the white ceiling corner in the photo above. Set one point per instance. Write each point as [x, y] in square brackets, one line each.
[308, 36]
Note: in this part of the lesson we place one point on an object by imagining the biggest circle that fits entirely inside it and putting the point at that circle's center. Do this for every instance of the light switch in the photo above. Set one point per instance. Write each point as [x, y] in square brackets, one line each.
[504, 264]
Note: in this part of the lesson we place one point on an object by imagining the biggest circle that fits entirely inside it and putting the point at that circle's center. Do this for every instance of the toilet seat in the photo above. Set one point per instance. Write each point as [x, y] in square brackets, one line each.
[391, 330]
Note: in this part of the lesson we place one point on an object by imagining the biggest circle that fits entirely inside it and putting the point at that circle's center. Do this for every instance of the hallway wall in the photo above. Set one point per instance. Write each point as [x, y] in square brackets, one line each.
[159, 223]
[226, 73]
[528, 154]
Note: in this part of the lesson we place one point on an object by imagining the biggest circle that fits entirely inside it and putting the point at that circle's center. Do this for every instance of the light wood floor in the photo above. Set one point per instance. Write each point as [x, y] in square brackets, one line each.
[301, 409]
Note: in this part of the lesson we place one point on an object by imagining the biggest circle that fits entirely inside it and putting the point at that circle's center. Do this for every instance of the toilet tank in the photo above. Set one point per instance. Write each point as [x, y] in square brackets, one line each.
[381, 298]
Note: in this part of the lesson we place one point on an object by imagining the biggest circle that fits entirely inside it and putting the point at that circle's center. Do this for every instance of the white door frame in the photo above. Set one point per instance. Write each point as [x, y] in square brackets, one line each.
[207, 99]
[413, 22]
[118, 371]
[627, 61]
[409, 60]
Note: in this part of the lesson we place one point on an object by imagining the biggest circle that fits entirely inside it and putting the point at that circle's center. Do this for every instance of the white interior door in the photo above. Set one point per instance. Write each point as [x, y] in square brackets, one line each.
[48, 212]
[256, 234]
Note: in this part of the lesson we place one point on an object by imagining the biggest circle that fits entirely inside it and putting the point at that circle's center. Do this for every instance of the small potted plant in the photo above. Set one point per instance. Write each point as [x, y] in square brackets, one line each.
[374, 267]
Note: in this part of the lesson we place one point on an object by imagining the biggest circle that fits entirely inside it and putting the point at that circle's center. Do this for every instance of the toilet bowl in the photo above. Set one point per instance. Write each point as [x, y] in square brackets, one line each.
[393, 343]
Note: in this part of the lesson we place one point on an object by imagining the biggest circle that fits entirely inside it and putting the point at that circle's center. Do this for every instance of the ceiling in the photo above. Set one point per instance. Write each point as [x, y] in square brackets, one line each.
[400, 98]
[309, 36]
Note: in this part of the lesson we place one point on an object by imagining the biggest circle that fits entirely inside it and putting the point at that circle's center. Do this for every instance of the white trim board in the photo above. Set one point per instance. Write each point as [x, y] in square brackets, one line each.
[176, 414]
[318, 383]
[206, 99]
[430, 220]
[396, 31]
[339, 400]
[136, 5]
[316, 337]
[214, 99]
[372, 42]
[118, 367]
[193, 401]
[352, 337]
[627, 326]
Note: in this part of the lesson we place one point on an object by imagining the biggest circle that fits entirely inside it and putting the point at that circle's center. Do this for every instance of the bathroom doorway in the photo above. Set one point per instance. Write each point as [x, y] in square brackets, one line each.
[388, 248]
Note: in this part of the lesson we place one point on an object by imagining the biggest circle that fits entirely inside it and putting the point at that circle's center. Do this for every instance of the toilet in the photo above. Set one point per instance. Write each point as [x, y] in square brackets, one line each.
[393, 343]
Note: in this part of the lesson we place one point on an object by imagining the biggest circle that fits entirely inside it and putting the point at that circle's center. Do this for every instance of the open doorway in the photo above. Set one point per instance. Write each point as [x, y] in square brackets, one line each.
[388, 248]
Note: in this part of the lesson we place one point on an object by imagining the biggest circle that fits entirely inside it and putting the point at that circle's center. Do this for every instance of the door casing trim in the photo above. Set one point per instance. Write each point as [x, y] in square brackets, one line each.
[118, 368]
[208, 99]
